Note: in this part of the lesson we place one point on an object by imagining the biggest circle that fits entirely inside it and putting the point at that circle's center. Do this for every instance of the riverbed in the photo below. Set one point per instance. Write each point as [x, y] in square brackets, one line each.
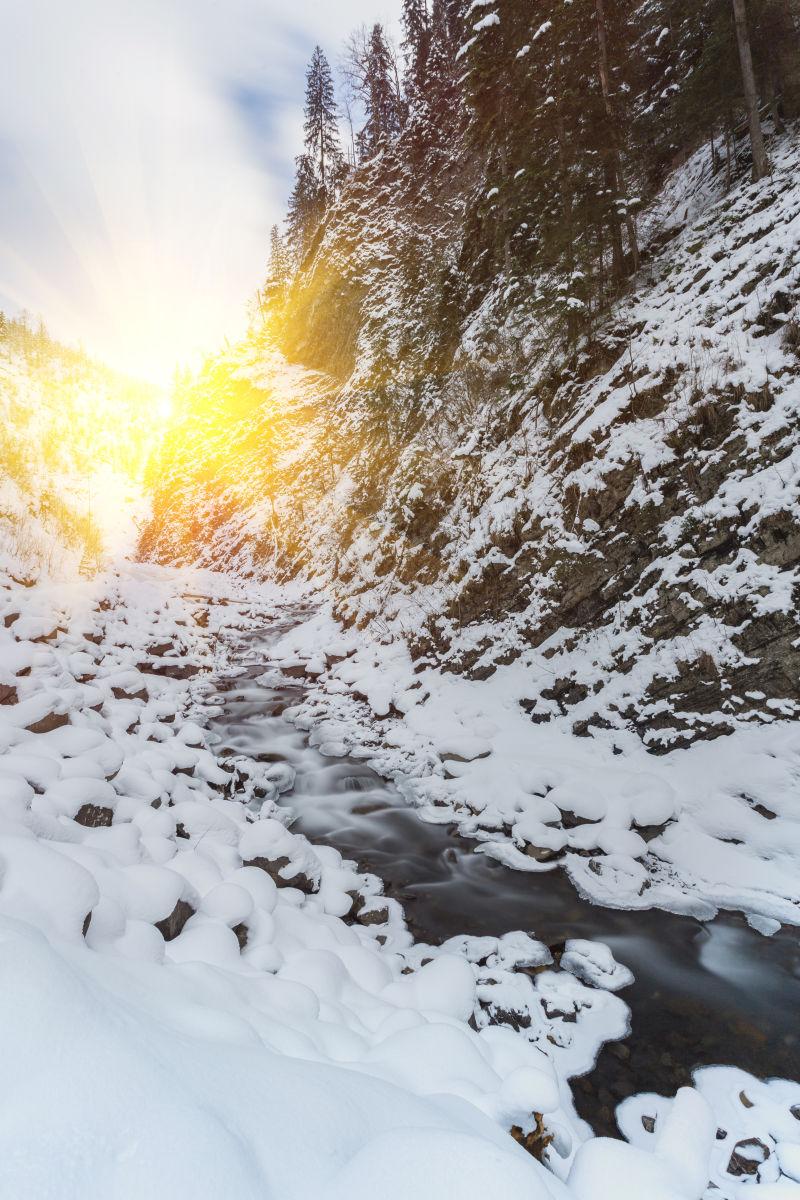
[705, 993]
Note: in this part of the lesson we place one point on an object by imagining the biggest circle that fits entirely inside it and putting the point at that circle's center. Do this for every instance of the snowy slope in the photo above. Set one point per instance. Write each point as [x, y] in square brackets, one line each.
[172, 1013]
[628, 509]
[571, 577]
[192, 1005]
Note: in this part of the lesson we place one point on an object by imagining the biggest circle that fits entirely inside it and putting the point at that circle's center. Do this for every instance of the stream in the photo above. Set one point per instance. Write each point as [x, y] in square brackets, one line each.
[706, 993]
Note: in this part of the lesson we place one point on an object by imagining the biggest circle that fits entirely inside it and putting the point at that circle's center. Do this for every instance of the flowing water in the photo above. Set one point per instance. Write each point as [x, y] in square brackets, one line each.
[705, 993]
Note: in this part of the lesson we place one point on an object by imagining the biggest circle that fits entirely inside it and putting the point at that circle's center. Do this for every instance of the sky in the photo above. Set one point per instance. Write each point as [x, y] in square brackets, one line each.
[146, 147]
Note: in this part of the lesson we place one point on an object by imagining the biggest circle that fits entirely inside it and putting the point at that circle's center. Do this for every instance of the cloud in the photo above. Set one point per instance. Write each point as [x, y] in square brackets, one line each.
[145, 149]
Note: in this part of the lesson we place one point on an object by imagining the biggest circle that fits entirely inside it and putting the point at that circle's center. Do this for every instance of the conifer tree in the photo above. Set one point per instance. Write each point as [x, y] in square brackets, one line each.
[321, 125]
[442, 96]
[276, 284]
[306, 206]
[383, 104]
[416, 45]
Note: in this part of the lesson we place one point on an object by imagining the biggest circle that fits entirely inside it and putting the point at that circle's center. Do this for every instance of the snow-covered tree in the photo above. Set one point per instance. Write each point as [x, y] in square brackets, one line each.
[273, 294]
[306, 205]
[321, 127]
[416, 45]
[382, 101]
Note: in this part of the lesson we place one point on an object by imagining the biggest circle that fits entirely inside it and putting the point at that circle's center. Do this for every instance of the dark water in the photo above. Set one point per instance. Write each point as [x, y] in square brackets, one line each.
[705, 993]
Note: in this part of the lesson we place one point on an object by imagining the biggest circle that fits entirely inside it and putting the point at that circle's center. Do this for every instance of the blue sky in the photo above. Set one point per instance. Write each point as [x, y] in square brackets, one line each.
[146, 146]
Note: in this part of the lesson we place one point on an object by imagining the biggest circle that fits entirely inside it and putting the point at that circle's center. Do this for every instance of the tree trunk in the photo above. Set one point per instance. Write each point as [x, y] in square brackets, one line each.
[728, 151]
[787, 54]
[616, 158]
[772, 100]
[760, 161]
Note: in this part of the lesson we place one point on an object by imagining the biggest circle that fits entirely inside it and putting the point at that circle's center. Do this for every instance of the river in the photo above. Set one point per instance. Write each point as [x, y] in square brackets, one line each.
[715, 992]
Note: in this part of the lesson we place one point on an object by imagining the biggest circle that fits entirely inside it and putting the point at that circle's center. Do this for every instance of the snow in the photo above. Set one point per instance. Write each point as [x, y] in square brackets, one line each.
[753, 1120]
[486, 22]
[183, 1023]
[187, 1024]
[177, 1022]
[466, 752]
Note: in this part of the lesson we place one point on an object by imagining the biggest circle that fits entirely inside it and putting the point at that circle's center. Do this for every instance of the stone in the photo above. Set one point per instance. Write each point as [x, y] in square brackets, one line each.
[273, 868]
[49, 723]
[747, 1157]
[169, 927]
[120, 694]
[94, 816]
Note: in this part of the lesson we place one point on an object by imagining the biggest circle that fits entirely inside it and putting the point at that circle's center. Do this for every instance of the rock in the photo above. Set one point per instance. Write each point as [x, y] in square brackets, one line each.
[273, 868]
[542, 854]
[747, 1157]
[49, 637]
[172, 925]
[535, 1142]
[94, 816]
[160, 650]
[373, 916]
[242, 933]
[49, 723]
[8, 694]
[648, 1124]
[120, 694]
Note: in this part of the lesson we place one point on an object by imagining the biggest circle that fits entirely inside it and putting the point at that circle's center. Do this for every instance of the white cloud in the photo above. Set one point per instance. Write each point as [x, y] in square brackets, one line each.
[145, 147]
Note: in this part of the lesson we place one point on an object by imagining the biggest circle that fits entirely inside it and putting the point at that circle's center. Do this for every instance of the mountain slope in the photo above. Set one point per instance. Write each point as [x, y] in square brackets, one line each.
[627, 507]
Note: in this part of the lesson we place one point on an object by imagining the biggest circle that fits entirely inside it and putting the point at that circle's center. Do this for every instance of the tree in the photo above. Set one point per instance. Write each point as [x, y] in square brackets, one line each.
[614, 168]
[321, 124]
[760, 161]
[384, 107]
[306, 206]
[372, 82]
[276, 285]
[416, 45]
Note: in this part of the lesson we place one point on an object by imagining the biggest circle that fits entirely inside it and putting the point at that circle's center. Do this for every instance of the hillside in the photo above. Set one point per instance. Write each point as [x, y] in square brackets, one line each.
[626, 508]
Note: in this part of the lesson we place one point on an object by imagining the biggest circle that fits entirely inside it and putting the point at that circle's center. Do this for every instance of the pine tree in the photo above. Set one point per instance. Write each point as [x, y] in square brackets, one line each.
[383, 104]
[276, 285]
[321, 125]
[306, 206]
[416, 45]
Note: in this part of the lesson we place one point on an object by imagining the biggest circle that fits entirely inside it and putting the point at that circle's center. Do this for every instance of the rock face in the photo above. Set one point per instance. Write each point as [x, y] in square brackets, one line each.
[623, 506]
